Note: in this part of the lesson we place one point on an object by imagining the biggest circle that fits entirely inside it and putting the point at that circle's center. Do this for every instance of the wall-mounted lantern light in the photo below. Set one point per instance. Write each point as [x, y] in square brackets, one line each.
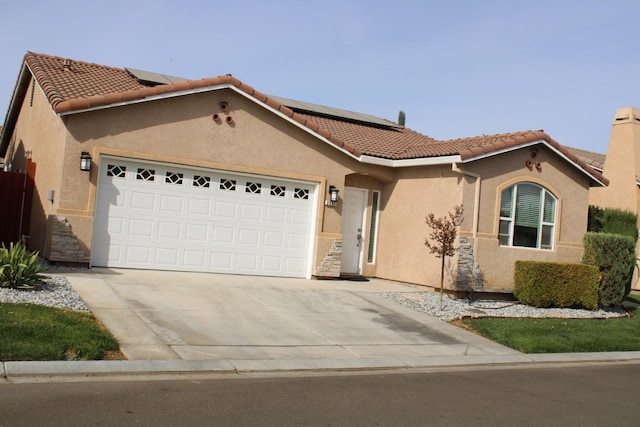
[85, 161]
[333, 196]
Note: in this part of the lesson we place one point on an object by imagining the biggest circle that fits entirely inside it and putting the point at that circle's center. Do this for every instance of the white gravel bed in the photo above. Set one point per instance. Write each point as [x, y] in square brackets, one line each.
[54, 292]
[453, 308]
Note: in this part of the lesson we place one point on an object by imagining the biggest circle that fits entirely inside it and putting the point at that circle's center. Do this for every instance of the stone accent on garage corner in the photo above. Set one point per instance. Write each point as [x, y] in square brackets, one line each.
[330, 266]
[64, 244]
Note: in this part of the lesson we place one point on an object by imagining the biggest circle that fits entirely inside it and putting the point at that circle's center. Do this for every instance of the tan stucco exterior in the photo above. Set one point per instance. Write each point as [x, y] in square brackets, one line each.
[258, 140]
[416, 192]
[403, 255]
[570, 188]
[622, 168]
[40, 134]
[622, 164]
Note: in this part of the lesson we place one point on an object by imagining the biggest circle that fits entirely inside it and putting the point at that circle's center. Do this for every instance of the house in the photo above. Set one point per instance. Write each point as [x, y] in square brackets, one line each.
[621, 165]
[212, 175]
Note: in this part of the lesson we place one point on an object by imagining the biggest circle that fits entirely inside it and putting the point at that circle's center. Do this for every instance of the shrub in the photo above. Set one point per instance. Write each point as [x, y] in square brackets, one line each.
[553, 284]
[594, 219]
[19, 269]
[613, 221]
[614, 255]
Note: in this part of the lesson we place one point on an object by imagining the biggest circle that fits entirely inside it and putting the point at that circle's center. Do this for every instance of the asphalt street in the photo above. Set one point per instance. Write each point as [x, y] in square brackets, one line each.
[567, 395]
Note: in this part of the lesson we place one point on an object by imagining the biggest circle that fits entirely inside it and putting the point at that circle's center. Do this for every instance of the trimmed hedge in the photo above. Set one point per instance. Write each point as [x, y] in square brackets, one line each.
[615, 256]
[613, 221]
[554, 284]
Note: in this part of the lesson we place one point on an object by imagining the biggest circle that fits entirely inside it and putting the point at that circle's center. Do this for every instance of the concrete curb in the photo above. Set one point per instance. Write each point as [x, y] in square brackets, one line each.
[113, 367]
[104, 368]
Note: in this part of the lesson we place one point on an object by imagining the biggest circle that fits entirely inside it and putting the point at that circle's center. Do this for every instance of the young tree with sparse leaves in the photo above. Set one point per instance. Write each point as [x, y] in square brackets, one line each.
[442, 238]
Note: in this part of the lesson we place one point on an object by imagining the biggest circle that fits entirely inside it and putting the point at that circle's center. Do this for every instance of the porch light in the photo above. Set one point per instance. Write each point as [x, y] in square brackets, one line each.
[85, 161]
[333, 196]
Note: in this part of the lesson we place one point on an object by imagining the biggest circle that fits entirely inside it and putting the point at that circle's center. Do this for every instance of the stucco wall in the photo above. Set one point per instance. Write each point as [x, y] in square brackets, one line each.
[566, 183]
[622, 164]
[418, 191]
[40, 132]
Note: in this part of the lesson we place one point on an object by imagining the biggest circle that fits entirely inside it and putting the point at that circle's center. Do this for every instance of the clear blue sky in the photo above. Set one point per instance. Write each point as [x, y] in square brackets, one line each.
[457, 68]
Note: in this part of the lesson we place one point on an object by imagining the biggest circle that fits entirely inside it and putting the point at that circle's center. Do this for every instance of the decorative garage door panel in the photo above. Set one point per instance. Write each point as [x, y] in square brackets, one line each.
[156, 216]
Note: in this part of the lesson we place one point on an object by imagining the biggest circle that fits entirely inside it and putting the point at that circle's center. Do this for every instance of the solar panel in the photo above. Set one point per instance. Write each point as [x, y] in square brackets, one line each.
[333, 112]
[154, 78]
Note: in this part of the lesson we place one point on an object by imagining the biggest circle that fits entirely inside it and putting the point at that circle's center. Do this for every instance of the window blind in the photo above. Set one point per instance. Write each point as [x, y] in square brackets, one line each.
[528, 206]
[549, 208]
[506, 201]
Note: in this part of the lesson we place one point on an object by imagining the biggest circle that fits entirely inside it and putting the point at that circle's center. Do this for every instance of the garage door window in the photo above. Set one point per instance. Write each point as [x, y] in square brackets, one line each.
[174, 178]
[228, 184]
[146, 174]
[117, 171]
[201, 181]
[301, 193]
[253, 187]
[278, 190]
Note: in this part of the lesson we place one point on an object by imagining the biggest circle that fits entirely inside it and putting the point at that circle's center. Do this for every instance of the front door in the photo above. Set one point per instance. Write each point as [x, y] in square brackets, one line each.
[353, 209]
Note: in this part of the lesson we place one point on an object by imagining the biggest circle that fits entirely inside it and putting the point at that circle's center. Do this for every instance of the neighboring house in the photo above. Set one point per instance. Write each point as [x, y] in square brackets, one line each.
[212, 175]
[622, 167]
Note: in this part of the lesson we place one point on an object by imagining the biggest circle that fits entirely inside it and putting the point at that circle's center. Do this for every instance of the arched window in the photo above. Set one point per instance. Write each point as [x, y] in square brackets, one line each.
[527, 216]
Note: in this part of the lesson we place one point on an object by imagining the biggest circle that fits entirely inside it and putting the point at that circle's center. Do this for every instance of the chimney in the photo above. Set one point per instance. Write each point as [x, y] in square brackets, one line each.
[627, 115]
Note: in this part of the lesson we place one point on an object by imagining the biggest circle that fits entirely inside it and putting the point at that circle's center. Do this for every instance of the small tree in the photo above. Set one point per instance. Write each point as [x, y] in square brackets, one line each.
[442, 238]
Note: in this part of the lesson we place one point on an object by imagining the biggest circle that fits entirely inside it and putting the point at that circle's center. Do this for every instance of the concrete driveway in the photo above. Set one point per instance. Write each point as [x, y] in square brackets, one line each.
[158, 315]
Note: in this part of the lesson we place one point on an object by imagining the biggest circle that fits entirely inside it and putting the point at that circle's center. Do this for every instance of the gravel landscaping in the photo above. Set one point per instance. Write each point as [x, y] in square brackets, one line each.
[55, 292]
[453, 308]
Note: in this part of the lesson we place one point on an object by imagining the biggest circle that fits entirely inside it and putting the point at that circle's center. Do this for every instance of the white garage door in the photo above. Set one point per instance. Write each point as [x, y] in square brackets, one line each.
[166, 217]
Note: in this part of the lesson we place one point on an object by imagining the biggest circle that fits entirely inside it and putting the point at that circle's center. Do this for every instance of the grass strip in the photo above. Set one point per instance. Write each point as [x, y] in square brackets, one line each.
[555, 335]
[635, 298]
[35, 332]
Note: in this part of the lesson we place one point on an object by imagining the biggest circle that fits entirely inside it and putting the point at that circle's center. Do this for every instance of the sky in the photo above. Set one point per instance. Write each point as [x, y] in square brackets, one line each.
[456, 68]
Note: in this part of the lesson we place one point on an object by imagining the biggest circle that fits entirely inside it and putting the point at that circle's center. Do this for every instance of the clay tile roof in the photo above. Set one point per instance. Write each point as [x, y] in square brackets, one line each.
[378, 141]
[487, 144]
[75, 85]
[589, 157]
[64, 79]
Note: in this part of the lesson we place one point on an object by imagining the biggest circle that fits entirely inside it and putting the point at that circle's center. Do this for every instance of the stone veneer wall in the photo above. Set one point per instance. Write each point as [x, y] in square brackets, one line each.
[64, 245]
[330, 267]
[468, 276]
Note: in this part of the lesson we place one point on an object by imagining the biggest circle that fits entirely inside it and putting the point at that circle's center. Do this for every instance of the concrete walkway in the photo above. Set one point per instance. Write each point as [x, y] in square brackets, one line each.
[176, 322]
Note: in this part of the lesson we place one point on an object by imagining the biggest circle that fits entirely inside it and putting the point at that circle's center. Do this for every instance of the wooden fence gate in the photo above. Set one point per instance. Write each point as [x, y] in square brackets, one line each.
[16, 195]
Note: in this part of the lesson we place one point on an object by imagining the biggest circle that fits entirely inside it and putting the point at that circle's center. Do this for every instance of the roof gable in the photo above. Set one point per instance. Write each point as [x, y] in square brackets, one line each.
[75, 86]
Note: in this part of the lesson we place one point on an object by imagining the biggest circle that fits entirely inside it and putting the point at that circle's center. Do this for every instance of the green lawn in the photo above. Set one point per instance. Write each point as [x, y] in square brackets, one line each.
[633, 298]
[34, 332]
[553, 335]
